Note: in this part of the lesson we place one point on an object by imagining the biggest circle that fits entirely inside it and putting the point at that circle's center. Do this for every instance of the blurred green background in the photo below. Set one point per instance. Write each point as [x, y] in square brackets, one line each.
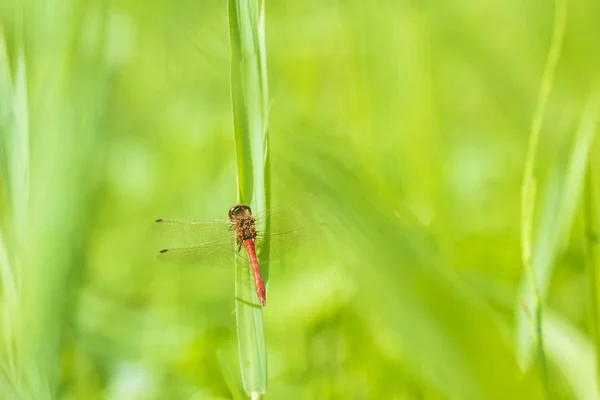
[399, 129]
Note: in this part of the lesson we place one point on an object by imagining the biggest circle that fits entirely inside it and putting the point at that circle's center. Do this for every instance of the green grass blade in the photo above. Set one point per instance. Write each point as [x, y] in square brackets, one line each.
[229, 375]
[14, 153]
[48, 151]
[249, 92]
[528, 201]
[573, 354]
[592, 262]
[558, 213]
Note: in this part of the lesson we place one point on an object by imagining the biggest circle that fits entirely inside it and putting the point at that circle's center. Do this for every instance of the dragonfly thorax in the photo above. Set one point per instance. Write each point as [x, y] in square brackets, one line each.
[245, 229]
[242, 221]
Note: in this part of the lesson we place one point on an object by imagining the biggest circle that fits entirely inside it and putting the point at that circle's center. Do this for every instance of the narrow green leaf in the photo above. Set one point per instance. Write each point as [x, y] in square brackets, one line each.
[533, 299]
[250, 94]
[558, 212]
[47, 184]
[573, 354]
[592, 262]
[14, 154]
[230, 376]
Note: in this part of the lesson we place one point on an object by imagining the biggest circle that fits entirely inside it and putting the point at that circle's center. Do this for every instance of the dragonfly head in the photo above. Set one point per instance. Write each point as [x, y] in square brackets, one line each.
[239, 211]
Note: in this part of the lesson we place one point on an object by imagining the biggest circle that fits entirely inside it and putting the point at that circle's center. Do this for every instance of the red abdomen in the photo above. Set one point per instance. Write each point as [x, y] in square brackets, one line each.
[258, 282]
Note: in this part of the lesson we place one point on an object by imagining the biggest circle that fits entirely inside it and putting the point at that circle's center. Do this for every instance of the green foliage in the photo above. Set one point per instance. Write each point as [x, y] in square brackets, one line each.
[398, 129]
[250, 94]
[532, 297]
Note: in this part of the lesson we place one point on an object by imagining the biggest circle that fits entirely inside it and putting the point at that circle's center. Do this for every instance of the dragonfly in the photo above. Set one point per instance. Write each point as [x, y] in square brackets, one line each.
[215, 242]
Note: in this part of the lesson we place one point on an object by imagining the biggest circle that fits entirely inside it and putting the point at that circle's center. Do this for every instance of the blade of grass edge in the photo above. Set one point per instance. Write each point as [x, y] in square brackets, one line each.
[7, 279]
[590, 219]
[571, 350]
[14, 152]
[556, 225]
[249, 95]
[229, 375]
[529, 188]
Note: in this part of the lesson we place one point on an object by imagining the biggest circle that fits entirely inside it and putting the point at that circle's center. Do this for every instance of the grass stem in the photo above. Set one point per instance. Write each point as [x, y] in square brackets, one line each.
[250, 103]
[528, 189]
[590, 218]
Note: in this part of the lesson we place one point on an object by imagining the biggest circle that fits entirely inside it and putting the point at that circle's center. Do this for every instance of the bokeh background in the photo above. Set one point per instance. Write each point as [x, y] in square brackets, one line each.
[399, 129]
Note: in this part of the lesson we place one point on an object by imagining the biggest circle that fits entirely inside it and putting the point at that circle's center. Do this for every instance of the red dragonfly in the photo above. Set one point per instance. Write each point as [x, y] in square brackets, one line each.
[210, 242]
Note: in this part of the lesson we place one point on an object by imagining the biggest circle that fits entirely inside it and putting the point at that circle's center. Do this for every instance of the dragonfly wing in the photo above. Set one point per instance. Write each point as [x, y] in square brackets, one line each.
[289, 231]
[214, 254]
[281, 220]
[183, 233]
[280, 243]
[210, 255]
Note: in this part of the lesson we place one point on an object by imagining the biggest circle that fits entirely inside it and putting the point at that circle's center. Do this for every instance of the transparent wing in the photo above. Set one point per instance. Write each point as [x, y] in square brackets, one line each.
[182, 233]
[214, 254]
[280, 243]
[218, 255]
[283, 233]
[291, 231]
[211, 242]
[281, 220]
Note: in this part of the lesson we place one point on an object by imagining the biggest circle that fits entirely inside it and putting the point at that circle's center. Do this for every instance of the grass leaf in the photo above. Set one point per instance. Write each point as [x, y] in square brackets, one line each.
[573, 354]
[249, 92]
[528, 201]
[558, 211]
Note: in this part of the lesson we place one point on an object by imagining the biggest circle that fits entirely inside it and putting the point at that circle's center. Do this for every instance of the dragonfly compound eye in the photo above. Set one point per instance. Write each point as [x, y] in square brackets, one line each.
[239, 211]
